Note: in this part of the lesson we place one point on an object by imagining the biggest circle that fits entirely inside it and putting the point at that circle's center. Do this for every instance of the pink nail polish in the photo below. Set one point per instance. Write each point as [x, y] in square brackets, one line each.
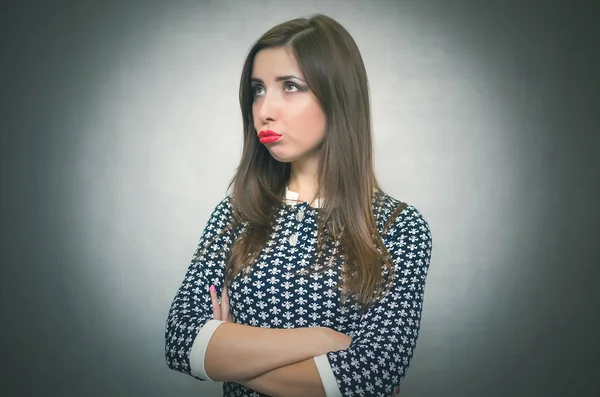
[213, 289]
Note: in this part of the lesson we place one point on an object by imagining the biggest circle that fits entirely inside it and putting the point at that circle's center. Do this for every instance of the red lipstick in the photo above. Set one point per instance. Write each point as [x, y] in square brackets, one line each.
[268, 136]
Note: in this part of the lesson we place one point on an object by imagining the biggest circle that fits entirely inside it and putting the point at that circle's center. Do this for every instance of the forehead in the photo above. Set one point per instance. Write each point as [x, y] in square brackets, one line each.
[272, 62]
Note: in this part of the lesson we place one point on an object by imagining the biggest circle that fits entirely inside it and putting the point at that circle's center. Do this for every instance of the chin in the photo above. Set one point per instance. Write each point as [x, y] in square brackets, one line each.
[282, 157]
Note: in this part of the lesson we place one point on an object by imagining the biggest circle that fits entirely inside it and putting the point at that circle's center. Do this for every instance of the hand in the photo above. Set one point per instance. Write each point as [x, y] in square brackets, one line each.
[220, 311]
[337, 340]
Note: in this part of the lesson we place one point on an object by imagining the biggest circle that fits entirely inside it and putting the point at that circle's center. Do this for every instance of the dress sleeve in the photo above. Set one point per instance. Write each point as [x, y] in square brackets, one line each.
[190, 324]
[380, 353]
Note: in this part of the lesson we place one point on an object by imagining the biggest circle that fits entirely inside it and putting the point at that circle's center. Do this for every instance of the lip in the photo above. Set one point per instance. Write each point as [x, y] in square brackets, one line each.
[268, 136]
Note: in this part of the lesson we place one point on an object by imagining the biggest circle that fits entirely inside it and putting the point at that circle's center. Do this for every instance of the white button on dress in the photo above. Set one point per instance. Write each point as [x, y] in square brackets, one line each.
[300, 215]
[294, 239]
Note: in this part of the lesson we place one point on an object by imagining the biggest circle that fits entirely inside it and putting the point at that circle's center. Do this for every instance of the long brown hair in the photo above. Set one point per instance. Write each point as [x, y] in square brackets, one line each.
[334, 70]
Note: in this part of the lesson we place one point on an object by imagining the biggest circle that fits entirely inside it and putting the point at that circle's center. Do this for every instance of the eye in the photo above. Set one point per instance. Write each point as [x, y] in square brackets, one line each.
[256, 89]
[291, 87]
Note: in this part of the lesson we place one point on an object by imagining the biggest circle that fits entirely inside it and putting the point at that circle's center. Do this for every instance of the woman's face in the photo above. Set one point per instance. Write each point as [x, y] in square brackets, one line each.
[284, 104]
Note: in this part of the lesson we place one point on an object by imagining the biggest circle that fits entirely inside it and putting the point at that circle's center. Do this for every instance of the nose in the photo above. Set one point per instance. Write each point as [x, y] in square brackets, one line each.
[268, 107]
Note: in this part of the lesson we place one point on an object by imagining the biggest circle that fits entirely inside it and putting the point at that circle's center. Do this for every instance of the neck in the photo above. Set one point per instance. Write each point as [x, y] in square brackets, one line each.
[304, 179]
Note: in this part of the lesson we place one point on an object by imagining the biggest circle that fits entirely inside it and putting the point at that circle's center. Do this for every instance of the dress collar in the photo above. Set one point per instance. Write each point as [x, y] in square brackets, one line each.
[291, 198]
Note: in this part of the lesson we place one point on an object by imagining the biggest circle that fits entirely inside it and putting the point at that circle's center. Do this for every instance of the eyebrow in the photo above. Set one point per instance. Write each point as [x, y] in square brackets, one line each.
[279, 78]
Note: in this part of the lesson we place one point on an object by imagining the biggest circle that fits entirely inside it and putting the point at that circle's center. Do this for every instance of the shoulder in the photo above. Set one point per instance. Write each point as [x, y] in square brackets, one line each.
[407, 234]
[220, 219]
[222, 212]
[395, 217]
[225, 204]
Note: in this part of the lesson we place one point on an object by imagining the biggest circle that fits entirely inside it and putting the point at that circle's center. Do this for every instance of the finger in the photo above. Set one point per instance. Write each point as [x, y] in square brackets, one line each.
[215, 303]
[225, 305]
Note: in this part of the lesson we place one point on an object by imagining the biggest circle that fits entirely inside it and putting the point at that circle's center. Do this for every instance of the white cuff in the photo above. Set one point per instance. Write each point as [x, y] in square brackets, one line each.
[199, 347]
[327, 377]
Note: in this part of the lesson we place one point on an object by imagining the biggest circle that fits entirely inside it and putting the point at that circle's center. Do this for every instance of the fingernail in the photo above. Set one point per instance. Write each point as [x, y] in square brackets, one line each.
[213, 289]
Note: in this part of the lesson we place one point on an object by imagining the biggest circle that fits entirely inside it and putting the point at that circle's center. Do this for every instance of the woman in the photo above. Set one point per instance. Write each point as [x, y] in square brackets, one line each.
[308, 279]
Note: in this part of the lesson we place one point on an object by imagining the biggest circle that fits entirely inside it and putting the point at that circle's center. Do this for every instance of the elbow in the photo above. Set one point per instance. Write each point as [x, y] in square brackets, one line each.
[174, 351]
[374, 378]
[171, 358]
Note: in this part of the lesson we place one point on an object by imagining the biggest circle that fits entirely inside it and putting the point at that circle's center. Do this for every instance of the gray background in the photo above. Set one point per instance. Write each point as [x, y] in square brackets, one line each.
[121, 129]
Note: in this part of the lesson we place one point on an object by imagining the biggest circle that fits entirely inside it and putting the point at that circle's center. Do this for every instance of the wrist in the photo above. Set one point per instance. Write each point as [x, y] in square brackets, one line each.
[320, 340]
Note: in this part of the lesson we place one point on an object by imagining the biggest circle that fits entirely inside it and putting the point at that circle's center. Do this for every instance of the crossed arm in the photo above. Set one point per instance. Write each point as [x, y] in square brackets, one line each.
[300, 378]
[297, 361]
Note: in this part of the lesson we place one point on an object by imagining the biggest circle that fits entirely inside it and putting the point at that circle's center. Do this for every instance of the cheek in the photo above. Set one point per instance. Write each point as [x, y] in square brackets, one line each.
[313, 121]
[254, 116]
[318, 124]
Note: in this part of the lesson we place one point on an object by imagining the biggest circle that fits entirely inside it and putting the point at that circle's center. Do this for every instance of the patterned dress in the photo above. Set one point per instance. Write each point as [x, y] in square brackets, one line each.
[279, 291]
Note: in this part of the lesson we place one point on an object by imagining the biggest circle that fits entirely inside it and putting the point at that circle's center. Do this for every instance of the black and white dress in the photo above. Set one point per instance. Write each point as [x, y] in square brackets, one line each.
[273, 293]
